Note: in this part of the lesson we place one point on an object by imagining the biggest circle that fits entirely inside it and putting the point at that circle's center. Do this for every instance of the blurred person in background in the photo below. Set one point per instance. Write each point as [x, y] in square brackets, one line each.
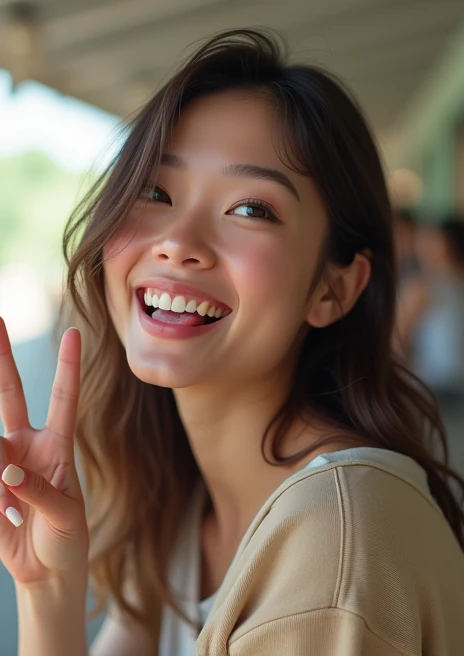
[431, 311]
[404, 230]
[408, 273]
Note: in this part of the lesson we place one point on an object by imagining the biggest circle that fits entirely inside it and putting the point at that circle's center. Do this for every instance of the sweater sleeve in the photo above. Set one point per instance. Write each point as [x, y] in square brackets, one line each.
[325, 632]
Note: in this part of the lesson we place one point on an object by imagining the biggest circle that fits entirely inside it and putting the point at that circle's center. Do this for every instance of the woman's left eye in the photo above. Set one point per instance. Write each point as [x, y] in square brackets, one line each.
[254, 209]
[157, 194]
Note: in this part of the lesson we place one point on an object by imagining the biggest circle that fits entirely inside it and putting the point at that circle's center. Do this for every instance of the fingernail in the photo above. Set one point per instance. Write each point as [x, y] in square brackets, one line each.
[13, 475]
[14, 516]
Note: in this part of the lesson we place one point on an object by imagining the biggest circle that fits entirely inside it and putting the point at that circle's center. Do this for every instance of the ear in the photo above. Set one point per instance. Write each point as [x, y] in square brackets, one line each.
[338, 292]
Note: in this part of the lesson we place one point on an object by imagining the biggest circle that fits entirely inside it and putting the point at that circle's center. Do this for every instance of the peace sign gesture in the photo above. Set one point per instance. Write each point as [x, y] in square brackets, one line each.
[42, 516]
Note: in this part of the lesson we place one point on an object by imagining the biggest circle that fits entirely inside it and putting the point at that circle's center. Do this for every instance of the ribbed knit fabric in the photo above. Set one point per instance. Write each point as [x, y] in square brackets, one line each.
[349, 558]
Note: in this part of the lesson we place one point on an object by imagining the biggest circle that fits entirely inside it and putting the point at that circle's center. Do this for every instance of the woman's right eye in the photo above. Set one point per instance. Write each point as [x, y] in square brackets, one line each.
[157, 194]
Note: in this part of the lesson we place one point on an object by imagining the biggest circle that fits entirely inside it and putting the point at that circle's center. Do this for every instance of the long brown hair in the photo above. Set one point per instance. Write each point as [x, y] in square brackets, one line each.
[138, 466]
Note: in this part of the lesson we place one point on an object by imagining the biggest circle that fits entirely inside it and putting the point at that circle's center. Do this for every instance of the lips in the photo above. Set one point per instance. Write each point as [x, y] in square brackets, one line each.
[174, 288]
[193, 317]
[172, 325]
[172, 309]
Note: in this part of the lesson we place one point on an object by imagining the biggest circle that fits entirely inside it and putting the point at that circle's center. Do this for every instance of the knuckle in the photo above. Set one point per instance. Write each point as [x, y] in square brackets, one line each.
[37, 486]
[63, 395]
[10, 387]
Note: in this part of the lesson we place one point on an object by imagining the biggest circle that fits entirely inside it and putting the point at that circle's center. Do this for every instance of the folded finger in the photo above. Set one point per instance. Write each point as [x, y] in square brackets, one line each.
[9, 505]
[36, 491]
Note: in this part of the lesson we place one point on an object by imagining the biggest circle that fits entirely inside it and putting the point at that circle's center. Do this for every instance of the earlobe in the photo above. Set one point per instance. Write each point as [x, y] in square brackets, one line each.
[339, 291]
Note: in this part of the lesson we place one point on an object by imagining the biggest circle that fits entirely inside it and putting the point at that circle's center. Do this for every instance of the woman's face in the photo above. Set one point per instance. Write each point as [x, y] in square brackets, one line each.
[246, 241]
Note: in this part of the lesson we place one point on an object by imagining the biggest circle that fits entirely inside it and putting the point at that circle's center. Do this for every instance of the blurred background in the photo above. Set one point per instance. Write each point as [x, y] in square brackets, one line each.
[71, 71]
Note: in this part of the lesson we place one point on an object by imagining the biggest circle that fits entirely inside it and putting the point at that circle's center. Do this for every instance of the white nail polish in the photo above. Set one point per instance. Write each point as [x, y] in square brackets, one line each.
[13, 475]
[14, 516]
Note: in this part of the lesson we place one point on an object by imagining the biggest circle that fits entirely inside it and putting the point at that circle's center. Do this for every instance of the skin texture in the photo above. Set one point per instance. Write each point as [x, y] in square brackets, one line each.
[229, 382]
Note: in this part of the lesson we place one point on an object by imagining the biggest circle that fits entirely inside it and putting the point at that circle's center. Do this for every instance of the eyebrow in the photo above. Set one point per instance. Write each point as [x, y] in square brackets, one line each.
[247, 170]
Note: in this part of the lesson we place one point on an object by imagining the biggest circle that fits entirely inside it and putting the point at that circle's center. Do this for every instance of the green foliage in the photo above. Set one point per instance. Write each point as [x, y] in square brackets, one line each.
[36, 199]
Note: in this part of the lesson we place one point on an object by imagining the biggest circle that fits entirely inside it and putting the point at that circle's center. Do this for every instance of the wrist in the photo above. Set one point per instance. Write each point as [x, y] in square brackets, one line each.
[56, 585]
[52, 616]
[55, 594]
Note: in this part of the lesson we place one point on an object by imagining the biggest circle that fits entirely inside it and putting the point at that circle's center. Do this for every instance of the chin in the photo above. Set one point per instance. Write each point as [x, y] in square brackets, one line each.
[161, 370]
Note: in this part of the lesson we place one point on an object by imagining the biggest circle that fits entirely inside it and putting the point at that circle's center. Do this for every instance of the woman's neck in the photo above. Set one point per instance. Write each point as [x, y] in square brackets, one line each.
[225, 429]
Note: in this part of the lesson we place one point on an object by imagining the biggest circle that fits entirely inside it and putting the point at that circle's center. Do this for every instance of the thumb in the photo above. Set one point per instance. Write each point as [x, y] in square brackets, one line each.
[36, 491]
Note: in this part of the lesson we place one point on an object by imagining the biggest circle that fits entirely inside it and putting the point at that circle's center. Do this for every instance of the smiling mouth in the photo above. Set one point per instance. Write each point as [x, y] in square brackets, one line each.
[192, 313]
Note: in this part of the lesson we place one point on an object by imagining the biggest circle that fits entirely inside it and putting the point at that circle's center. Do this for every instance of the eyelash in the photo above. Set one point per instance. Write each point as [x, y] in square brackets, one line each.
[255, 202]
[250, 202]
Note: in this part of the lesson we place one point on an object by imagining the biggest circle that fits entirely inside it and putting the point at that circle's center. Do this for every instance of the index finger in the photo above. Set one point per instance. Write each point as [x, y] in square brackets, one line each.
[13, 408]
[62, 410]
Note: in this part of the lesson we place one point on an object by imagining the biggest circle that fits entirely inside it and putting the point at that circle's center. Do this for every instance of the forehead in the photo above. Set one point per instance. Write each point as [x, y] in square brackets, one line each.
[233, 126]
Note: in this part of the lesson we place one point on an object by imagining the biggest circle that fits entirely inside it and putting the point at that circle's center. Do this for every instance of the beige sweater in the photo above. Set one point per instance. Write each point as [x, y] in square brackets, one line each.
[347, 559]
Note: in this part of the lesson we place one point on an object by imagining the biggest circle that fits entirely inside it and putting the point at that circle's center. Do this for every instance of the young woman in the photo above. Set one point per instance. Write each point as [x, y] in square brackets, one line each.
[261, 475]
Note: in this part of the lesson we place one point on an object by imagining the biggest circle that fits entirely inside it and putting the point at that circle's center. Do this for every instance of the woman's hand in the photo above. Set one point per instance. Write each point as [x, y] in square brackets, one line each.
[43, 530]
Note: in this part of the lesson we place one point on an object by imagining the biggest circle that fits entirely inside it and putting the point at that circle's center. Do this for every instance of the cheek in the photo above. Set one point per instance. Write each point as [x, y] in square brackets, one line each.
[115, 295]
[270, 273]
[119, 257]
[121, 251]
[118, 242]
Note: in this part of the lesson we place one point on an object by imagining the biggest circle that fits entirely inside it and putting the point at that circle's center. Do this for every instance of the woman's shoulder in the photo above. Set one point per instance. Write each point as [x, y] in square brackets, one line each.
[355, 510]
[353, 536]
[343, 477]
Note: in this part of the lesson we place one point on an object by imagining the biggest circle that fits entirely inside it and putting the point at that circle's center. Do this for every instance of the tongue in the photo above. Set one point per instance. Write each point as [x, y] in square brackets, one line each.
[180, 318]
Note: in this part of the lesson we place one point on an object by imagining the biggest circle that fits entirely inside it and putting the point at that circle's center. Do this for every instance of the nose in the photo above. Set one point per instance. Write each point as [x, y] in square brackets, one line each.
[184, 247]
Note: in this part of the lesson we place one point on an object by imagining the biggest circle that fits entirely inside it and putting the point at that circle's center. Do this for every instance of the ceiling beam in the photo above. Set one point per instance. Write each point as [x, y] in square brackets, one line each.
[436, 101]
[201, 17]
[98, 23]
[380, 26]
[351, 66]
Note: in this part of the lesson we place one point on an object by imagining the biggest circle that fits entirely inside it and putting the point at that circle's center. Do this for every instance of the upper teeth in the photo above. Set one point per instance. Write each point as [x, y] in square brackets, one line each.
[178, 304]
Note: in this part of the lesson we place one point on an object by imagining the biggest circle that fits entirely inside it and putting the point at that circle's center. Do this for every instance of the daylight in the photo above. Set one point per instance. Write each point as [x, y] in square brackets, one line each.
[51, 147]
